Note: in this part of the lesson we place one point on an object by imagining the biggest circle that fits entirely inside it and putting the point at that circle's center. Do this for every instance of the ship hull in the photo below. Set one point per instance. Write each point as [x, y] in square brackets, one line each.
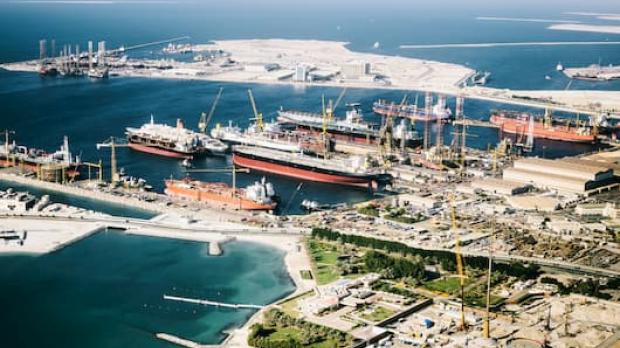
[558, 133]
[154, 150]
[223, 197]
[298, 171]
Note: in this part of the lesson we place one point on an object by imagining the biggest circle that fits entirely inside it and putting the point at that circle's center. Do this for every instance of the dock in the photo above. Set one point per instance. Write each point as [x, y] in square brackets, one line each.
[212, 303]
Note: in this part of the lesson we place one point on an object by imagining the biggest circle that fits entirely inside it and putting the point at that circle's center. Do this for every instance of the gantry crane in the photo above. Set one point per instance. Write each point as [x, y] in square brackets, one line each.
[204, 118]
[459, 262]
[258, 116]
[113, 143]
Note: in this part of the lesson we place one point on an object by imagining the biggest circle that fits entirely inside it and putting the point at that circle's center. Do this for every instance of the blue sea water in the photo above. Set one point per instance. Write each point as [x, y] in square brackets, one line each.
[107, 291]
[100, 292]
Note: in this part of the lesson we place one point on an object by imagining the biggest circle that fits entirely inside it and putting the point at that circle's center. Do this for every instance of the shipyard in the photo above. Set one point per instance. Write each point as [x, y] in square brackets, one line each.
[205, 187]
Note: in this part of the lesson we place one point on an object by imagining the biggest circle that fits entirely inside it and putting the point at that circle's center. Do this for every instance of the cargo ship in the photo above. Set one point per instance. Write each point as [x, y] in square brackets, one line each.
[175, 142]
[351, 171]
[258, 196]
[352, 128]
[412, 111]
[272, 137]
[48, 166]
[546, 127]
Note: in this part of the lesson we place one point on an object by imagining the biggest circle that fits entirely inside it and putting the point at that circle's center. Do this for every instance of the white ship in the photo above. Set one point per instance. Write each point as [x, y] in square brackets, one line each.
[177, 142]
[272, 136]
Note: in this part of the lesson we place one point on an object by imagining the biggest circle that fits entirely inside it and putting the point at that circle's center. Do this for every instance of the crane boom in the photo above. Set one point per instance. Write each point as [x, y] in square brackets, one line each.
[257, 115]
[205, 119]
[459, 262]
[340, 96]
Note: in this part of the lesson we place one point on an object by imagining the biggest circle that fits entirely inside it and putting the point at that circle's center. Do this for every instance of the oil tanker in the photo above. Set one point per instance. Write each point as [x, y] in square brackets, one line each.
[258, 196]
[175, 142]
[546, 127]
[351, 171]
[352, 128]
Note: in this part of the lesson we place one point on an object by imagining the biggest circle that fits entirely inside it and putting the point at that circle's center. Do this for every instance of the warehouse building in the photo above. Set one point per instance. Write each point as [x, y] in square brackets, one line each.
[567, 176]
[497, 186]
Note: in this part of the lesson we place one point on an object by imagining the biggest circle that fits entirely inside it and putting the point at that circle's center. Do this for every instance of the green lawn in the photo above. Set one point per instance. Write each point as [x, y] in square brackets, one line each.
[283, 334]
[290, 306]
[378, 314]
[324, 258]
[448, 285]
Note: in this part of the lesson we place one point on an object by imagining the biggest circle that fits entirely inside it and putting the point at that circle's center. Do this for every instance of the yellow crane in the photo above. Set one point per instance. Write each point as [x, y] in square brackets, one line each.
[258, 116]
[459, 262]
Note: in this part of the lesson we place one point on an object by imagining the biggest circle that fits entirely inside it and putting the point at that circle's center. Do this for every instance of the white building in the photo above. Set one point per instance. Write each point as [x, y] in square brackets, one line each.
[301, 73]
[572, 176]
[16, 202]
[355, 70]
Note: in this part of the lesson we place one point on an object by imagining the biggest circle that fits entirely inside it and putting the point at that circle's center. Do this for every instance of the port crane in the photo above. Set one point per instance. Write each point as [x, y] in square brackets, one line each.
[234, 170]
[258, 116]
[204, 118]
[113, 143]
[459, 262]
[486, 328]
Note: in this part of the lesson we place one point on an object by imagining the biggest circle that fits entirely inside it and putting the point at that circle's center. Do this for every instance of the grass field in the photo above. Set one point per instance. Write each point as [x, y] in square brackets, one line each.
[324, 258]
[286, 333]
[290, 306]
[305, 274]
[446, 285]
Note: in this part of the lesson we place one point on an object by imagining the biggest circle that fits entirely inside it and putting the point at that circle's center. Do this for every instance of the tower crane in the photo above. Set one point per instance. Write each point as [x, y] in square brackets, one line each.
[459, 262]
[258, 116]
[113, 143]
[204, 118]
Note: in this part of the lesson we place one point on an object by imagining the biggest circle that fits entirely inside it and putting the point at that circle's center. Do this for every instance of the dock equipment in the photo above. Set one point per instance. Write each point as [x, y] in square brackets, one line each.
[258, 116]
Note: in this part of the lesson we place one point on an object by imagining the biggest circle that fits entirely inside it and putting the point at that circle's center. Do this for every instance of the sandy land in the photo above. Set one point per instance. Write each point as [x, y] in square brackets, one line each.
[44, 236]
[608, 29]
[330, 56]
[582, 100]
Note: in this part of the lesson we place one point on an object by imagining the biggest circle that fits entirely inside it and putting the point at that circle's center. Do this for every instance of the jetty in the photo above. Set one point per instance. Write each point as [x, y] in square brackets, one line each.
[212, 303]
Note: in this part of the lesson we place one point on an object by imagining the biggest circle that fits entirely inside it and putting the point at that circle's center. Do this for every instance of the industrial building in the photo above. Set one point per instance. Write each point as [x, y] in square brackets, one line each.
[17, 202]
[567, 176]
[497, 186]
[355, 70]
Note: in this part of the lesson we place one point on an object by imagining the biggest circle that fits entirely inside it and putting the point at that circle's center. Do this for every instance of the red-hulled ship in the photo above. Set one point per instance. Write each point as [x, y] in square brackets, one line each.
[546, 127]
[259, 196]
[351, 171]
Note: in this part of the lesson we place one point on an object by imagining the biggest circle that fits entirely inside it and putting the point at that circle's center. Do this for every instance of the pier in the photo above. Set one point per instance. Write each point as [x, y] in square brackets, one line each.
[212, 303]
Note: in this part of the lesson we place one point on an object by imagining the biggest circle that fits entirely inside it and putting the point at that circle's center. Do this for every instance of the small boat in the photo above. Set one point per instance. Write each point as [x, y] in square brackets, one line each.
[559, 67]
[186, 163]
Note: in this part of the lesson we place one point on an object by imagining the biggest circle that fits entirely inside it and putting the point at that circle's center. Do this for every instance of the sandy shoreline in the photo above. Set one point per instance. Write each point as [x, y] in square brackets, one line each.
[604, 29]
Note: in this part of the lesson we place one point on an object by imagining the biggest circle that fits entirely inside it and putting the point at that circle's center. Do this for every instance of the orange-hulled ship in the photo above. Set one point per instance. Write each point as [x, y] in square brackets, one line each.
[545, 127]
[259, 196]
